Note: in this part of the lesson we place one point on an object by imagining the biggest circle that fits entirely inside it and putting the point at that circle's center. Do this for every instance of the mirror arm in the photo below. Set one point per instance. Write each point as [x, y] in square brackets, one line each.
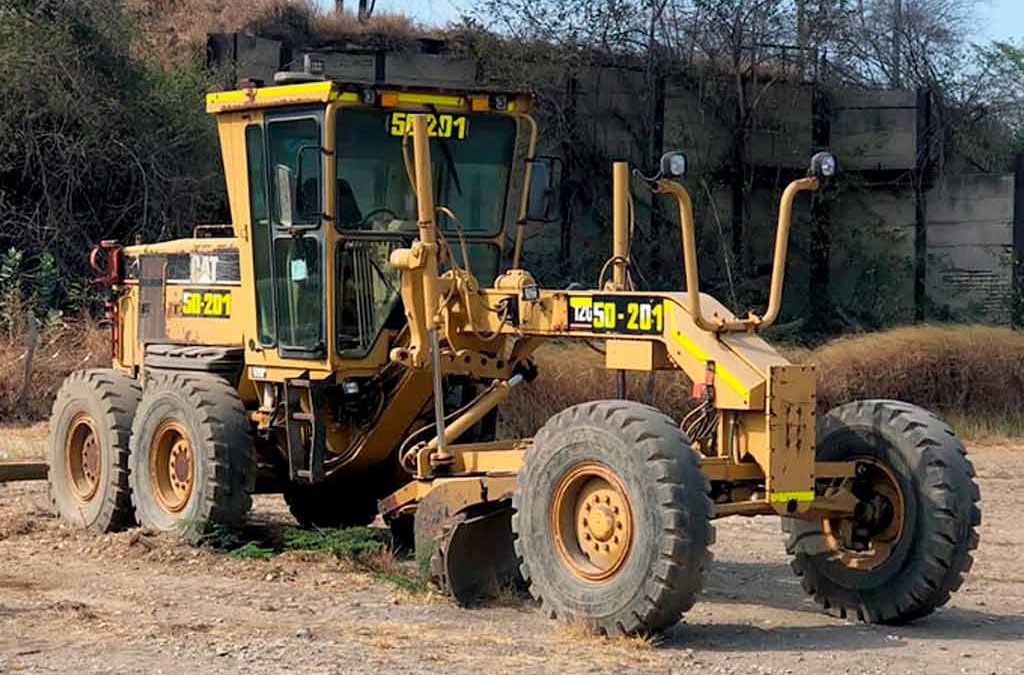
[689, 240]
[810, 183]
[517, 250]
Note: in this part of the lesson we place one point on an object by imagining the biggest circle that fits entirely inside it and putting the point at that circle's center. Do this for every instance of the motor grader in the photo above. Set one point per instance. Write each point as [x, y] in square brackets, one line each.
[348, 339]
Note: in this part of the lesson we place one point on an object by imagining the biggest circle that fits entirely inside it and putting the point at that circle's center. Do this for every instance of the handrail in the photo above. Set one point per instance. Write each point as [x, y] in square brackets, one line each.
[524, 194]
[693, 305]
[689, 241]
[810, 183]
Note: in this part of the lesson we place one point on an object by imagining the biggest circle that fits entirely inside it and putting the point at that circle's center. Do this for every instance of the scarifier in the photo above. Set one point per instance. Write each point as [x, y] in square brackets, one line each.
[348, 339]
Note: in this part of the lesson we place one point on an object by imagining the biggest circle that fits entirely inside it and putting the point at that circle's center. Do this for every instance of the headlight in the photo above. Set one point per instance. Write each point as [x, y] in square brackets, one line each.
[824, 165]
[673, 164]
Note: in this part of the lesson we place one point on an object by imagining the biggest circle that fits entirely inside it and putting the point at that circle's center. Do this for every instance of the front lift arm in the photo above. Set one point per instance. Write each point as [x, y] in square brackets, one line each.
[765, 406]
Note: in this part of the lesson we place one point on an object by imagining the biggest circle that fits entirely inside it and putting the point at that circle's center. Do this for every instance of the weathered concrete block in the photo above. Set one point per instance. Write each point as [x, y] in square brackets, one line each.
[782, 130]
[428, 70]
[874, 129]
[257, 57]
[696, 127]
[970, 244]
[872, 261]
[359, 68]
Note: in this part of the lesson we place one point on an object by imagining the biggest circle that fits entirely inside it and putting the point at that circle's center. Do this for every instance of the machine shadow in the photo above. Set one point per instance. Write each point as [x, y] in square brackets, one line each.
[773, 584]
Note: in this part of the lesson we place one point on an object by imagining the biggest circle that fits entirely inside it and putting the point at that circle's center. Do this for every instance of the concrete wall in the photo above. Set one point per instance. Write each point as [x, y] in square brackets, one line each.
[252, 56]
[874, 130]
[872, 262]
[350, 67]
[874, 133]
[783, 125]
[407, 68]
[610, 107]
[693, 125]
[970, 245]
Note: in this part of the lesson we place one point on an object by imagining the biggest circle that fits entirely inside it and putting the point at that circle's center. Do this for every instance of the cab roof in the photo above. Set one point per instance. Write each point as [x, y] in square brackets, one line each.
[254, 97]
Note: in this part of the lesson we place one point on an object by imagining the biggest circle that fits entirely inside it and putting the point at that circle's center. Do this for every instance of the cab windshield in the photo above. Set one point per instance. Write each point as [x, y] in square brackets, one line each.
[472, 159]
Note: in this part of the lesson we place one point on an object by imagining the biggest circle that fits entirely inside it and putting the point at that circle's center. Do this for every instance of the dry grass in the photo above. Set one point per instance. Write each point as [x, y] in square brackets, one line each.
[578, 632]
[23, 442]
[571, 373]
[174, 31]
[75, 344]
[972, 375]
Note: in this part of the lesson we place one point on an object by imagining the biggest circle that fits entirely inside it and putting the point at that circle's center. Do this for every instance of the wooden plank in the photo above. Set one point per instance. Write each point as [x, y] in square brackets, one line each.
[13, 471]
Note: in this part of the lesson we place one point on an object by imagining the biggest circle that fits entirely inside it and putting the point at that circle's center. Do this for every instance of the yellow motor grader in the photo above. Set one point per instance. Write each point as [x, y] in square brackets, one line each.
[348, 340]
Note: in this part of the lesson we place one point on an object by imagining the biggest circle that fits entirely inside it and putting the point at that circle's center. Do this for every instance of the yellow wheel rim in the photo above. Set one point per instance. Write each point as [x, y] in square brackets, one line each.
[171, 466]
[592, 521]
[83, 458]
[849, 546]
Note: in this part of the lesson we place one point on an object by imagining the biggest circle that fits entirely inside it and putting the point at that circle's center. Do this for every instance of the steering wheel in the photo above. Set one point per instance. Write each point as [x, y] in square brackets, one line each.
[364, 224]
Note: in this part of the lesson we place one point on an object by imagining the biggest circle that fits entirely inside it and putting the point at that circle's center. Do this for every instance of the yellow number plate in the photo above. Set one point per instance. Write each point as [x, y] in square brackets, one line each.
[206, 303]
[438, 126]
[617, 314]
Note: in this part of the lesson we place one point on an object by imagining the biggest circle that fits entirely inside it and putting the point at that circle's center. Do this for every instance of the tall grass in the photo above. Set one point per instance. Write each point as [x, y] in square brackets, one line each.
[972, 375]
[570, 373]
[174, 31]
[62, 347]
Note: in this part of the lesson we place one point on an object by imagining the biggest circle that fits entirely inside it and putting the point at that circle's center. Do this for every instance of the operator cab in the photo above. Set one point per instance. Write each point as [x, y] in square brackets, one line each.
[329, 198]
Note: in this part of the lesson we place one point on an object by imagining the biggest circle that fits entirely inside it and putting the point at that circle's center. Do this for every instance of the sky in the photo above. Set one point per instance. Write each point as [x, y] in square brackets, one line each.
[430, 12]
[1002, 19]
[998, 19]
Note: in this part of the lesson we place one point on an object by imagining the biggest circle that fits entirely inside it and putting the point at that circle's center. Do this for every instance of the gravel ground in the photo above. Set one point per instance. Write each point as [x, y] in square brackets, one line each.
[72, 601]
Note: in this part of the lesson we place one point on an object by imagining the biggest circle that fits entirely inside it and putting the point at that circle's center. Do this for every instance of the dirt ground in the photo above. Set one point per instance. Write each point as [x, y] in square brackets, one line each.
[131, 603]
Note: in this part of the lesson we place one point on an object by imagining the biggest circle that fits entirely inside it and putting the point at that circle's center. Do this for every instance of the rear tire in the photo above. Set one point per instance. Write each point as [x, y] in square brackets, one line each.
[191, 460]
[88, 449]
[938, 516]
[621, 477]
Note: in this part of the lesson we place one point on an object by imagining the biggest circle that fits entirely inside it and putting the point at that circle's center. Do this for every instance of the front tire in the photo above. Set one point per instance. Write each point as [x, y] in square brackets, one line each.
[612, 519]
[909, 547]
[88, 447]
[191, 459]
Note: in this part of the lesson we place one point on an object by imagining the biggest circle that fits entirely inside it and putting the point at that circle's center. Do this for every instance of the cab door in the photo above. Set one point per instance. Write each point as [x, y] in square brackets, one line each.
[286, 160]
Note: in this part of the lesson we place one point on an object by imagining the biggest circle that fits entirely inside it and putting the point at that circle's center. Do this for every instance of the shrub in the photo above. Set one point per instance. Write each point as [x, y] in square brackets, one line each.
[571, 373]
[64, 346]
[974, 375]
[96, 143]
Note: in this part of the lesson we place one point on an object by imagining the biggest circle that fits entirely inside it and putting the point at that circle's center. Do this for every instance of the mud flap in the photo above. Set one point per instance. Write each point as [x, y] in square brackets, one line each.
[473, 558]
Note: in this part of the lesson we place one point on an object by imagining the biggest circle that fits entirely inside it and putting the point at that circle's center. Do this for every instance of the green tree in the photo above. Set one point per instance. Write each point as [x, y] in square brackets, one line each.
[96, 143]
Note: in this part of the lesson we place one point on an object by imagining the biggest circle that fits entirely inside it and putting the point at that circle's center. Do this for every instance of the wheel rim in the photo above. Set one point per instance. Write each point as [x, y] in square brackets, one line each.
[171, 466]
[867, 539]
[592, 521]
[83, 457]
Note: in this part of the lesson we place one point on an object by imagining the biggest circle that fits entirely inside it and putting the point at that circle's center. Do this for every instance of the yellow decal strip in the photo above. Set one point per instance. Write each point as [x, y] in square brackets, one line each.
[698, 353]
[427, 99]
[321, 91]
[797, 496]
